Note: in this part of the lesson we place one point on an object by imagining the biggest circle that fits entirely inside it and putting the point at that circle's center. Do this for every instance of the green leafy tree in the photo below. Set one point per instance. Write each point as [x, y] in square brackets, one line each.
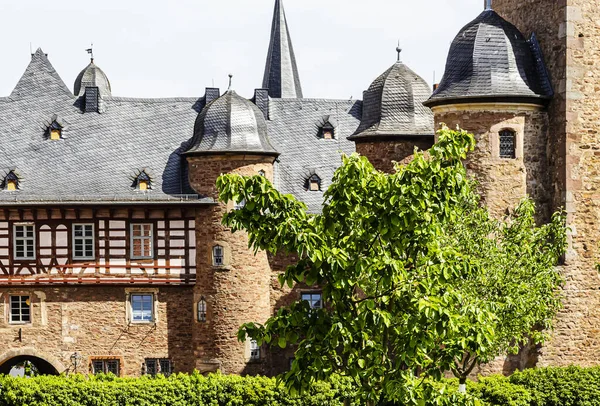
[417, 278]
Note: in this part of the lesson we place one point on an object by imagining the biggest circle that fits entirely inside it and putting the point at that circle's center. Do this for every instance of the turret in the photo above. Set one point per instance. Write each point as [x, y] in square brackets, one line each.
[233, 283]
[91, 86]
[394, 120]
[496, 86]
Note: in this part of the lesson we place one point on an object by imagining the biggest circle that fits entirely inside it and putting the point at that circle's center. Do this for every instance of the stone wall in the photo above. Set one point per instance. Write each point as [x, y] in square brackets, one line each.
[93, 321]
[569, 33]
[237, 292]
[383, 154]
[503, 182]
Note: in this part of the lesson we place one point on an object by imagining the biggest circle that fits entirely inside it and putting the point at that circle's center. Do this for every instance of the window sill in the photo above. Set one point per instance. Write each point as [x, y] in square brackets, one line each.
[19, 324]
[142, 323]
[222, 268]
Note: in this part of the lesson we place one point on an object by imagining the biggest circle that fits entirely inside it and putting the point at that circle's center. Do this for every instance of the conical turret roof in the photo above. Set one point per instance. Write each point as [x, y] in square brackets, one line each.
[231, 124]
[92, 76]
[393, 106]
[491, 59]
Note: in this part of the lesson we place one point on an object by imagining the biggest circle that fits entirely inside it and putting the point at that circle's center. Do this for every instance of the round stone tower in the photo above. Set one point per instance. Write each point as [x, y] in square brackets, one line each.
[496, 87]
[394, 120]
[232, 283]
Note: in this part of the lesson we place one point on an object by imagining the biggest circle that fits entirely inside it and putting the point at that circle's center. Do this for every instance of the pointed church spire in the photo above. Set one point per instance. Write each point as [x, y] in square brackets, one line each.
[281, 73]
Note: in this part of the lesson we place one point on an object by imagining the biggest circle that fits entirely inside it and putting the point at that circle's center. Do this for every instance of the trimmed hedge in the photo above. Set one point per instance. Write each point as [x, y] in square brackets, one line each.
[572, 386]
[176, 390]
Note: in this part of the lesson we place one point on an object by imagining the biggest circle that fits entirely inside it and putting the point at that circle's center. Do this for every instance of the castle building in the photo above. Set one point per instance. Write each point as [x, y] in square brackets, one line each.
[113, 257]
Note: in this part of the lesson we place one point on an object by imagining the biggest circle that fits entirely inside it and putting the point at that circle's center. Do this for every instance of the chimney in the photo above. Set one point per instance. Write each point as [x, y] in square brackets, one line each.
[211, 94]
[261, 99]
[91, 100]
[435, 86]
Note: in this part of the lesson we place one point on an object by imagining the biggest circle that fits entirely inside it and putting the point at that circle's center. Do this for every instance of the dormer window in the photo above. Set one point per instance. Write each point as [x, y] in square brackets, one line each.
[327, 131]
[314, 183]
[143, 182]
[11, 182]
[507, 144]
[54, 132]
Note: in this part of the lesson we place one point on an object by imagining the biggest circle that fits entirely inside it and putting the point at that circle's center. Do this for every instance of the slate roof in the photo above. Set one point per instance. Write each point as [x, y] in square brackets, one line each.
[281, 71]
[92, 76]
[393, 106]
[100, 156]
[231, 124]
[293, 130]
[491, 59]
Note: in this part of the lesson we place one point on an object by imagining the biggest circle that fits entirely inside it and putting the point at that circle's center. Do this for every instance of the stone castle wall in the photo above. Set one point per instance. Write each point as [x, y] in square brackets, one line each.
[569, 33]
[93, 321]
[383, 154]
[503, 182]
[237, 292]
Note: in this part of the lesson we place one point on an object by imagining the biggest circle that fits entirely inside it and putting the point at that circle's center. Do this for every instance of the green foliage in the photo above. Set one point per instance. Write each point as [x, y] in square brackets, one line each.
[417, 277]
[572, 386]
[176, 390]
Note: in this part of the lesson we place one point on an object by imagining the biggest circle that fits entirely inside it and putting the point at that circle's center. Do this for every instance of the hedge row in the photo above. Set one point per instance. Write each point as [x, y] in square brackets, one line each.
[572, 386]
[176, 390]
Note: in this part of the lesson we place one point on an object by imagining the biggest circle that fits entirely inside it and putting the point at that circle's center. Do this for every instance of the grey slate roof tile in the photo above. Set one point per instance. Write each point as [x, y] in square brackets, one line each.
[281, 71]
[393, 106]
[490, 58]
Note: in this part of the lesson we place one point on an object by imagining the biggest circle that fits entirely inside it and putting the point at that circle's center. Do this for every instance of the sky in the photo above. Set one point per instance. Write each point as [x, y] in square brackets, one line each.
[176, 48]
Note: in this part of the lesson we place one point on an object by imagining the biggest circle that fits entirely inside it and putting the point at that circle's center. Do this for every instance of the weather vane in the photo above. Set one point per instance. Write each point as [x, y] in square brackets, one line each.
[230, 78]
[90, 51]
[399, 50]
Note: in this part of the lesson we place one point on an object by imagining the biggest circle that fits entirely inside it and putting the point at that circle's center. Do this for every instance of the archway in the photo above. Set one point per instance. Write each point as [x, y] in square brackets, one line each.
[43, 366]
[44, 363]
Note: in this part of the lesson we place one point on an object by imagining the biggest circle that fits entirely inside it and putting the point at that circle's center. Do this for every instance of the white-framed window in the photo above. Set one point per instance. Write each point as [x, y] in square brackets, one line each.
[24, 241]
[20, 309]
[218, 255]
[202, 310]
[254, 350]
[106, 366]
[142, 307]
[314, 299]
[83, 241]
[142, 245]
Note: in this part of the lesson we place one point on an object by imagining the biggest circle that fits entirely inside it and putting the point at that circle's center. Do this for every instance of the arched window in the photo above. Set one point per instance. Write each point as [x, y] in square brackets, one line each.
[327, 131]
[218, 255]
[11, 182]
[202, 310]
[507, 144]
[143, 182]
[313, 184]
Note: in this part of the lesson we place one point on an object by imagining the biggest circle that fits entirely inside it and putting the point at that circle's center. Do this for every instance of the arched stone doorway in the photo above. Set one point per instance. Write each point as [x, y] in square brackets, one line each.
[45, 365]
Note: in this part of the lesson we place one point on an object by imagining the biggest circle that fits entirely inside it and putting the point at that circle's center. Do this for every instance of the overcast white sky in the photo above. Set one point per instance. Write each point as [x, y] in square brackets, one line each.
[163, 48]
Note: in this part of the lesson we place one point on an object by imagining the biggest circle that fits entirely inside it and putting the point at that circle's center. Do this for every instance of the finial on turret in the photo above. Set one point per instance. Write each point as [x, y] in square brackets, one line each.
[90, 51]
[399, 50]
[230, 78]
[488, 4]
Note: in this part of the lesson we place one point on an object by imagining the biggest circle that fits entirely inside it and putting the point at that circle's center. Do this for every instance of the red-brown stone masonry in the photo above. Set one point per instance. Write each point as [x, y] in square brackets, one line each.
[569, 34]
[93, 321]
[237, 292]
[502, 183]
[383, 154]
[547, 19]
